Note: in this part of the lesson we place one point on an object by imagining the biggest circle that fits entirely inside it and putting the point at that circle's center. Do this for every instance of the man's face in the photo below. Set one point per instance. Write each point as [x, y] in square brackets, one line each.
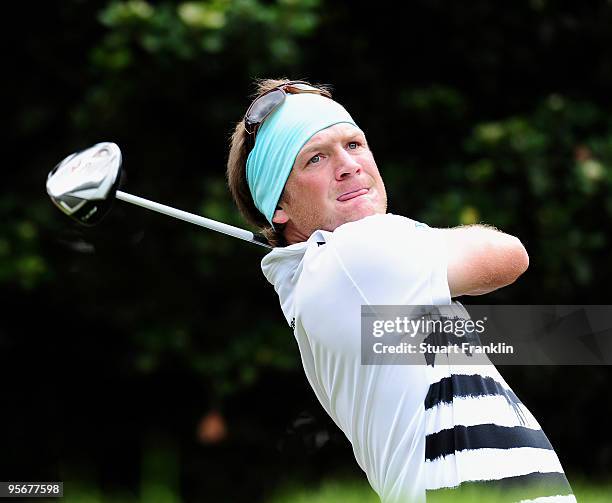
[334, 180]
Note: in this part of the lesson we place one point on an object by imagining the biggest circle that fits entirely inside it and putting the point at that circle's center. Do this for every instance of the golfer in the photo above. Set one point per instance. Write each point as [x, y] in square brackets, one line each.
[301, 170]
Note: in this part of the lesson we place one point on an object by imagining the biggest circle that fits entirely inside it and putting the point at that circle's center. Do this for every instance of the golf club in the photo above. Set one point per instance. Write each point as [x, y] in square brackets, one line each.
[84, 183]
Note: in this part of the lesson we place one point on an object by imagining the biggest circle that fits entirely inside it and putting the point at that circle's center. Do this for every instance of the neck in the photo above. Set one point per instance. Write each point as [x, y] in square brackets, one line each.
[293, 234]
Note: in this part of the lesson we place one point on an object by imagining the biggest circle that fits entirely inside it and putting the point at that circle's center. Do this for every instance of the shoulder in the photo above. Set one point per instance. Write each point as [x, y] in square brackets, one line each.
[379, 238]
[392, 259]
[387, 225]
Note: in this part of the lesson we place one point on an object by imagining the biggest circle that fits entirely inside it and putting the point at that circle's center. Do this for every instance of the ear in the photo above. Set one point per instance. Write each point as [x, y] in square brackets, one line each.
[280, 216]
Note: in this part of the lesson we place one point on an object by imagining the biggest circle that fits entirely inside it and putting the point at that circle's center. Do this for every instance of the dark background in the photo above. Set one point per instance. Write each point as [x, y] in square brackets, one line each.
[147, 353]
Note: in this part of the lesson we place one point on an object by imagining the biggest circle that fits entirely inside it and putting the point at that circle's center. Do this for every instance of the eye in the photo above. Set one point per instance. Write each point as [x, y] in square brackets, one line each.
[314, 159]
[353, 145]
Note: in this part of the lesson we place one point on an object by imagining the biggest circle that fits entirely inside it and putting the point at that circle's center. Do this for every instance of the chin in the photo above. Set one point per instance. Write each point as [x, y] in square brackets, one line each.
[355, 215]
[362, 211]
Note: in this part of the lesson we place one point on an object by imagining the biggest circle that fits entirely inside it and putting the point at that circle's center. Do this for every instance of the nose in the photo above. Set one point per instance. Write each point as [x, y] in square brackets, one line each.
[347, 166]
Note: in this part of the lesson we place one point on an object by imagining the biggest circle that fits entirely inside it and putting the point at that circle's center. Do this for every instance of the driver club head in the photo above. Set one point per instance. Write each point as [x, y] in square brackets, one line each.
[83, 185]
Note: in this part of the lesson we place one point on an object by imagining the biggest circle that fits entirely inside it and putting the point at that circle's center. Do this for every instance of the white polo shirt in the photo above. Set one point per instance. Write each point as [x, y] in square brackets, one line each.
[403, 421]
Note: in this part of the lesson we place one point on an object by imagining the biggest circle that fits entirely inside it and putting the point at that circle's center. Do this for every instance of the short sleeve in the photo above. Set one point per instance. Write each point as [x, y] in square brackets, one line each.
[392, 259]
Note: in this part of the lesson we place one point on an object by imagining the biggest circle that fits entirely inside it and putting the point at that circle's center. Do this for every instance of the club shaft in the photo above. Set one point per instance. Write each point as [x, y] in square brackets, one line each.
[230, 230]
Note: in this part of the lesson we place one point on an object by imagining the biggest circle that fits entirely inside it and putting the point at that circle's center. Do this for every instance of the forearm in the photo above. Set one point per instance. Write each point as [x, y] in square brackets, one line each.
[482, 259]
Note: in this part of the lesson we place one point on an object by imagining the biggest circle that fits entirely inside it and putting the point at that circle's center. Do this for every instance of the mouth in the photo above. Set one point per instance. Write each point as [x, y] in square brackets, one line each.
[353, 194]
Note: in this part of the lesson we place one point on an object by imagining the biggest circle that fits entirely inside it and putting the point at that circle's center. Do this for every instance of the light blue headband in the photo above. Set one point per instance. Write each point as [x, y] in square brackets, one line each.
[279, 140]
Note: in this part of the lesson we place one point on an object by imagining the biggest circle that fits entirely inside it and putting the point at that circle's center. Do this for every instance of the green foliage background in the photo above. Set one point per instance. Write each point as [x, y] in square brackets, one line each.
[128, 333]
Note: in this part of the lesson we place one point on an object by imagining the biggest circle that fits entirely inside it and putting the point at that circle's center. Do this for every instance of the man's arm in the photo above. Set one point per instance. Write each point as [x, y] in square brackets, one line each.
[482, 259]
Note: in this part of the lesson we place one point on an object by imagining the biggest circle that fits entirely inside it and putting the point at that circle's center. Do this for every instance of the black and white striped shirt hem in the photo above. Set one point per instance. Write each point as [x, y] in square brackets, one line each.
[478, 433]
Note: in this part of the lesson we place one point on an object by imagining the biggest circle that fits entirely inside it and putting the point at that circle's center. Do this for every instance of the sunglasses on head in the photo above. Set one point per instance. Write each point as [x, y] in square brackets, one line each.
[265, 104]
